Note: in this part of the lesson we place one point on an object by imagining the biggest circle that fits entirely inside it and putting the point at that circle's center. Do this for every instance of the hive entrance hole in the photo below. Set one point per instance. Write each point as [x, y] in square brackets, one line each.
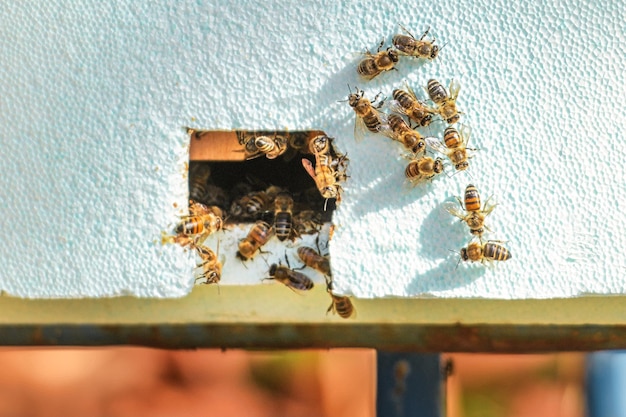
[222, 172]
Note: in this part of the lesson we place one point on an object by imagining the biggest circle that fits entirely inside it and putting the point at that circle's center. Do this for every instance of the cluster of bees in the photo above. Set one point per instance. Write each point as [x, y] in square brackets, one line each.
[419, 115]
[286, 211]
[474, 216]
[330, 165]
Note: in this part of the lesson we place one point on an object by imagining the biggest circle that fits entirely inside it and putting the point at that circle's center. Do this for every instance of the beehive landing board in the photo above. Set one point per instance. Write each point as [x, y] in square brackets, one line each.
[95, 97]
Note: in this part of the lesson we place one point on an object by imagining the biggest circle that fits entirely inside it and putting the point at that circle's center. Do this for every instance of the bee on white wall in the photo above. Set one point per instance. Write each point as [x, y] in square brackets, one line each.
[374, 64]
[407, 44]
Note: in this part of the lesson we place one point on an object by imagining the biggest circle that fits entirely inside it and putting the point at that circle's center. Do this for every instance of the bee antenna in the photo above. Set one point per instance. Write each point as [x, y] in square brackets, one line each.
[264, 259]
[459, 261]
[405, 29]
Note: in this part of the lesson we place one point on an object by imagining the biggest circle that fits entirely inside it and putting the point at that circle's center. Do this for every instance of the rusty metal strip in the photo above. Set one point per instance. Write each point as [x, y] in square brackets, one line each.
[390, 337]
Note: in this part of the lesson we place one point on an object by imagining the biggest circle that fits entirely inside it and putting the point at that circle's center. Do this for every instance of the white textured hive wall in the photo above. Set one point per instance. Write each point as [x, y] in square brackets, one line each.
[95, 96]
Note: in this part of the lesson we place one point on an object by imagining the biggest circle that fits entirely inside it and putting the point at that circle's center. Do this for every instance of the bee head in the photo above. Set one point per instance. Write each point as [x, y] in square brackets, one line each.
[268, 217]
[419, 145]
[454, 119]
[426, 120]
[464, 256]
[213, 278]
[438, 166]
[273, 269]
[462, 166]
[434, 52]
[240, 255]
[392, 54]
[329, 192]
[355, 98]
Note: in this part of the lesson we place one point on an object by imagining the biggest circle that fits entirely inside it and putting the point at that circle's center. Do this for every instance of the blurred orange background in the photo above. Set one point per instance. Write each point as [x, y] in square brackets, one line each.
[130, 381]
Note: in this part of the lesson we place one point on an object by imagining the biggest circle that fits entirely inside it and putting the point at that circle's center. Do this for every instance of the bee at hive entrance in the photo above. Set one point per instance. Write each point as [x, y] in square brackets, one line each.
[276, 191]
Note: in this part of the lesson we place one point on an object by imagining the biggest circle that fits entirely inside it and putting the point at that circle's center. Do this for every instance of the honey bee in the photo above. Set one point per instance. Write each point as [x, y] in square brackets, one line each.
[473, 215]
[408, 45]
[283, 218]
[367, 115]
[374, 64]
[340, 165]
[424, 168]
[320, 144]
[258, 236]
[272, 148]
[202, 221]
[250, 205]
[340, 304]
[446, 103]
[211, 266]
[307, 222]
[324, 176]
[406, 102]
[311, 258]
[455, 146]
[199, 174]
[294, 280]
[298, 140]
[250, 148]
[489, 251]
[400, 131]
[215, 196]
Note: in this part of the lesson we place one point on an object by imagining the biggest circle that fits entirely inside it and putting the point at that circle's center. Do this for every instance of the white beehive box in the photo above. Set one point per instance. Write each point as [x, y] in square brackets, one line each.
[95, 97]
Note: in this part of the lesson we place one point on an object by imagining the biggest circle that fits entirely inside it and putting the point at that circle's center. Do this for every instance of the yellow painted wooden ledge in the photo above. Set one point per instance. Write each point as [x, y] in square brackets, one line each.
[271, 316]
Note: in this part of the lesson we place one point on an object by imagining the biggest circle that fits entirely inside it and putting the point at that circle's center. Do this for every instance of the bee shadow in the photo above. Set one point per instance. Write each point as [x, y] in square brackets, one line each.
[441, 232]
[448, 275]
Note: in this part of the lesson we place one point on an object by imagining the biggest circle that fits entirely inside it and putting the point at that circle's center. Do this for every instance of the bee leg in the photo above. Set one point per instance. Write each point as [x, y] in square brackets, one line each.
[287, 260]
[381, 45]
[332, 304]
[294, 234]
[426, 33]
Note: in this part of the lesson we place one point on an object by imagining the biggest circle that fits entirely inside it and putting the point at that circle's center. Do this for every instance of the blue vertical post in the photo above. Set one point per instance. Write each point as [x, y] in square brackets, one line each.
[606, 384]
[409, 385]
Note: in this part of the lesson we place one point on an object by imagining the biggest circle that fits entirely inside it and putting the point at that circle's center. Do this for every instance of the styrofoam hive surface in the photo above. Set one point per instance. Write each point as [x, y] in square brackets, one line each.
[95, 97]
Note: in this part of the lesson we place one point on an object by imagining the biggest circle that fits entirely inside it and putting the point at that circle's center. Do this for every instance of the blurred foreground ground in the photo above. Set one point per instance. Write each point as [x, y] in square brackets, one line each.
[131, 381]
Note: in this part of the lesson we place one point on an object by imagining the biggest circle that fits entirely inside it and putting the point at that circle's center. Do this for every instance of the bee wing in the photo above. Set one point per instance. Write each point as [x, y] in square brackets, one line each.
[436, 144]
[489, 206]
[308, 167]
[454, 88]
[453, 208]
[370, 77]
[359, 129]
[465, 131]
[384, 128]
[254, 155]
[395, 107]
[410, 91]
